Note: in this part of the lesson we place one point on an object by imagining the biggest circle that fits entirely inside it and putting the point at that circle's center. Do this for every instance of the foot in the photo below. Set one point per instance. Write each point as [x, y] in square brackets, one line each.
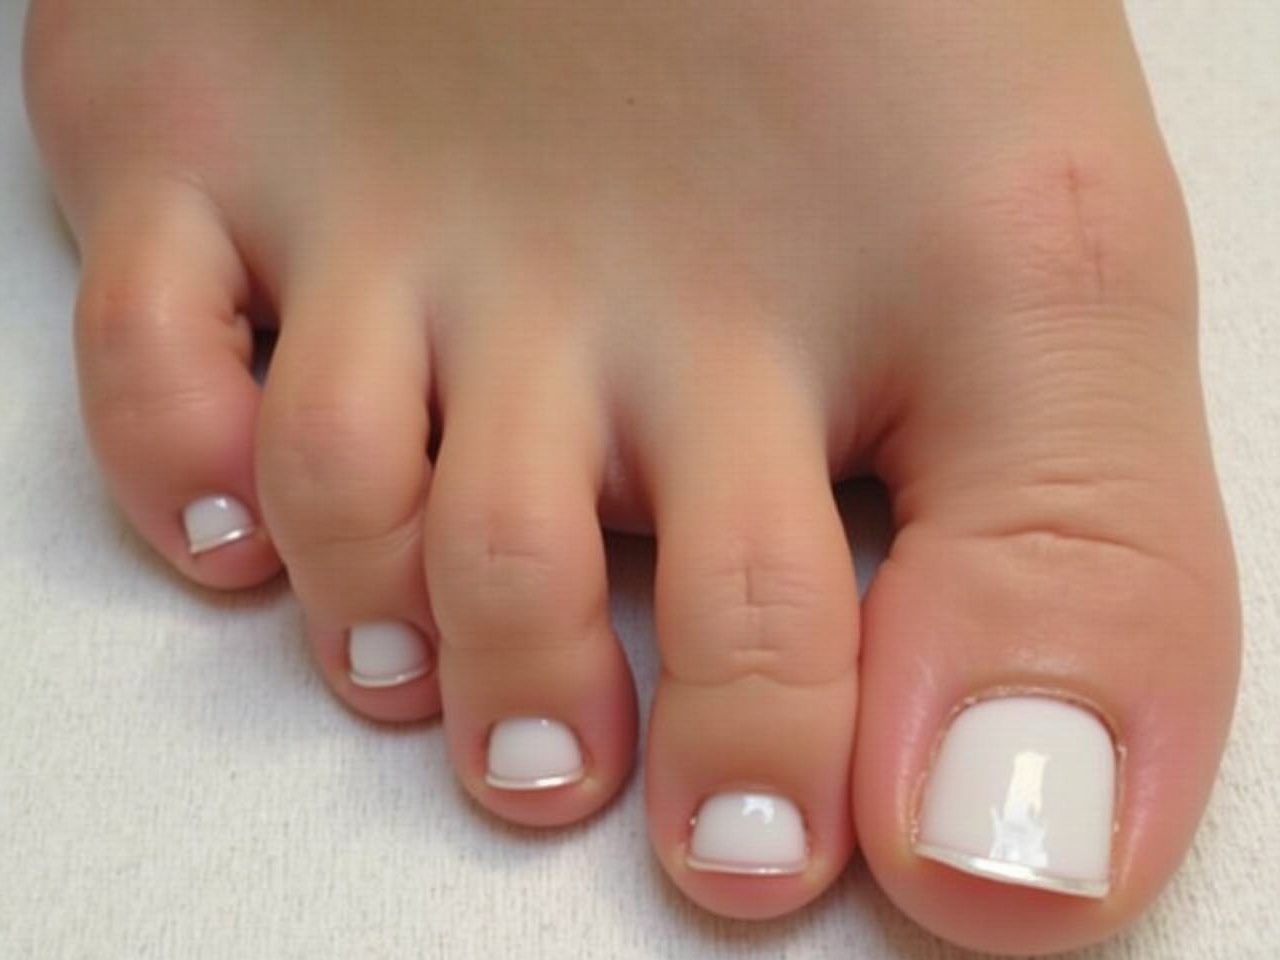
[675, 267]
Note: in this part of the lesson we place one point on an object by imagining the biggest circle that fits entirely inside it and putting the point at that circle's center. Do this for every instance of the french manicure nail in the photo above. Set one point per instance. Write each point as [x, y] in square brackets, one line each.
[386, 654]
[1022, 791]
[216, 521]
[752, 834]
[533, 753]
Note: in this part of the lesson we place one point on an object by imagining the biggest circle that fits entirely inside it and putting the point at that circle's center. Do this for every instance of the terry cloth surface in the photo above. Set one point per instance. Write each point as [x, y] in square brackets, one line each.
[176, 783]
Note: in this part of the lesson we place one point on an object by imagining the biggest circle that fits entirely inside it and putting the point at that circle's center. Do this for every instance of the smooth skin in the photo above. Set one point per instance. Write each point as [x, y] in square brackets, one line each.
[674, 267]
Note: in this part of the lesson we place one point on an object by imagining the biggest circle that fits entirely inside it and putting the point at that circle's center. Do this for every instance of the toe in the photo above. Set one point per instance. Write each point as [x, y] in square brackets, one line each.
[1050, 648]
[538, 700]
[343, 470]
[1041, 722]
[756, 609]
[169, 401]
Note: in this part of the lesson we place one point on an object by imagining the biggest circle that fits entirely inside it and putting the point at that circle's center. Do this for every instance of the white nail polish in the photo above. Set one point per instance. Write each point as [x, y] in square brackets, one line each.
[386, 654]
[1022, 791]
[216, 521]
[753, 834]
[533, 753]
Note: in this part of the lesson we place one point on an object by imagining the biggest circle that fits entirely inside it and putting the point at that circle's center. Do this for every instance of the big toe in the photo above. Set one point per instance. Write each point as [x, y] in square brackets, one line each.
[1050, 650]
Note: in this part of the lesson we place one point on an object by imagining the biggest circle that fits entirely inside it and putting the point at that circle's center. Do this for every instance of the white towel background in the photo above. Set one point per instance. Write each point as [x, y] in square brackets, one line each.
[176, 783]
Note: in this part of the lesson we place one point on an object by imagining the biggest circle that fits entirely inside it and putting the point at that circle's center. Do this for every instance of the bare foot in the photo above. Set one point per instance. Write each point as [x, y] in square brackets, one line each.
[675, 266]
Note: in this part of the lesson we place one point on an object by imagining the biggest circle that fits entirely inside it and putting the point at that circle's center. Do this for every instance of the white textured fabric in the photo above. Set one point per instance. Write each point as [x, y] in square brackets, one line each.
[176, 783]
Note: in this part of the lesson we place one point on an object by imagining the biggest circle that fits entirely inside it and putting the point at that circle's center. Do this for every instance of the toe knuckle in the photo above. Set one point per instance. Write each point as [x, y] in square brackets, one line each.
[120, 316]
[762, 612]
[497, 571]
[152, 414]
[339, 467]
[139, 414]
[1098, 517]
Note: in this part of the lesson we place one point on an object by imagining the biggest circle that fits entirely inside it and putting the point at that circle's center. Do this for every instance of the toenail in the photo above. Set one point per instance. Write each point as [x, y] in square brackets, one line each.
[755, 834]
[386, 654]
[533, 753]
[216, 521]
[1022, 791]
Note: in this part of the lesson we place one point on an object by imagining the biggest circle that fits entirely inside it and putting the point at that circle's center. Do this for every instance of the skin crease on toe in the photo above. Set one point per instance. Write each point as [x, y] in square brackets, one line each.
[941, 241]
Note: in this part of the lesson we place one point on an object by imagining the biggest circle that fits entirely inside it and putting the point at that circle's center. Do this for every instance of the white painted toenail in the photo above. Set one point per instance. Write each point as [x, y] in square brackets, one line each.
[213, 522]
[533, 753]
[1023, 791]
[386, 654]
[754, 834]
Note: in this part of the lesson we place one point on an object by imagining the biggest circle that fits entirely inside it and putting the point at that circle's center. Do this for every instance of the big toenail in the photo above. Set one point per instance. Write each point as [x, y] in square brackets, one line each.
[533, 753]
[755, 834]
[1022, 791]
[216, 521]
[386, 654]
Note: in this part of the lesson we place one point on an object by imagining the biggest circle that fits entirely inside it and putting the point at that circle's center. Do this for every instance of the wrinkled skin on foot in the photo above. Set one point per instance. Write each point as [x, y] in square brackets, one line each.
[674, 267]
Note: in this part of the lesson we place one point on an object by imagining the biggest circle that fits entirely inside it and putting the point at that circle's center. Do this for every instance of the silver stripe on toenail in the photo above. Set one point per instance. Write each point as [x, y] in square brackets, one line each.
[379, 683]
[541, 783]
[715, 866]
[213, 543]
[1017, 873]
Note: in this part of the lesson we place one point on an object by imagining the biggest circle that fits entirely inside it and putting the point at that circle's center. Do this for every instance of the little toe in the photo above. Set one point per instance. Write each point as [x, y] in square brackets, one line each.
[343, 472]
[1051, 647]
[539, 705]
[169, 401]
[756, 612]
